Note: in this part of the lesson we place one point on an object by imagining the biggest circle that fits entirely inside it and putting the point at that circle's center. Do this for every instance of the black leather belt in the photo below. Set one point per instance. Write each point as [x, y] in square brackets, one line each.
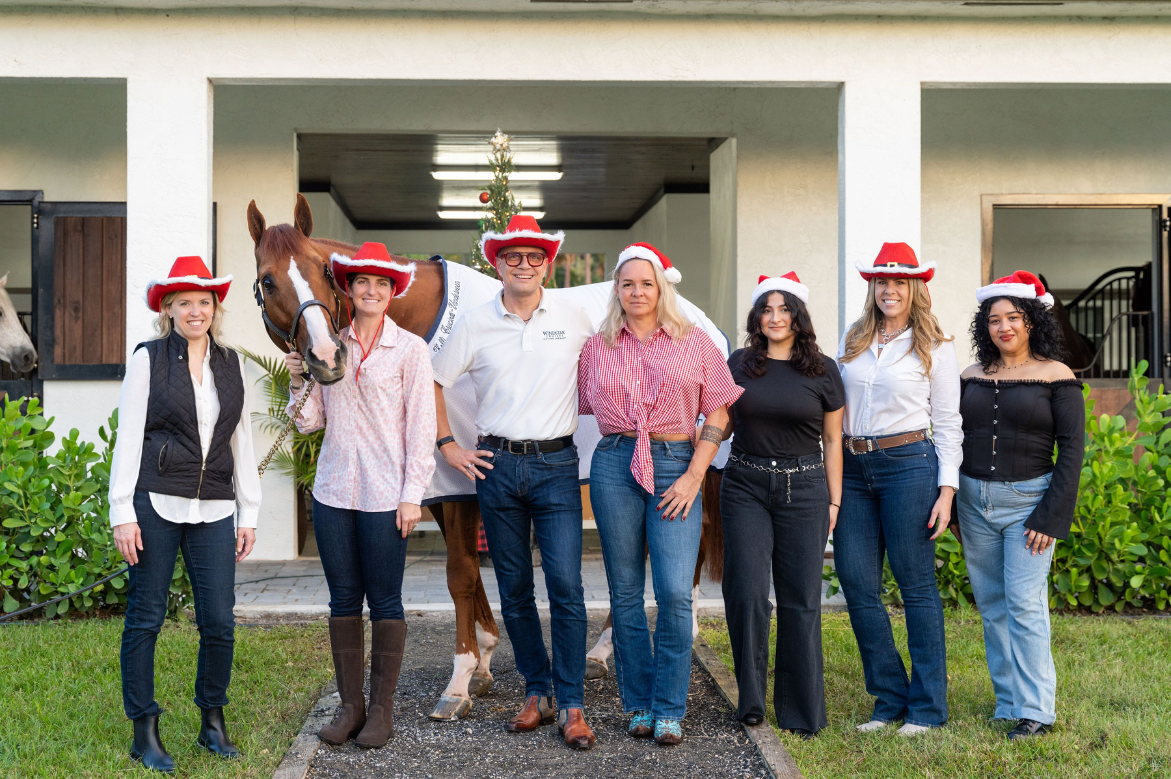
[527, 447]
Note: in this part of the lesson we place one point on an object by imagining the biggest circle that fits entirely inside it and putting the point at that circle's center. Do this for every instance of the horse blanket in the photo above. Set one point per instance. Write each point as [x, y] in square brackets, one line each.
[466, 288]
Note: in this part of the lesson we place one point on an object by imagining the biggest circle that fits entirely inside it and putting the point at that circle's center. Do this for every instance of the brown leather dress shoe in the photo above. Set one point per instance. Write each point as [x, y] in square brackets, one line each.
[575, 731]
[537, 711]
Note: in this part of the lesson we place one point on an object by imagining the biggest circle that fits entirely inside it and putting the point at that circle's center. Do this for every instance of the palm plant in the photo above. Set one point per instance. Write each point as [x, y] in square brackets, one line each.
[298, 460]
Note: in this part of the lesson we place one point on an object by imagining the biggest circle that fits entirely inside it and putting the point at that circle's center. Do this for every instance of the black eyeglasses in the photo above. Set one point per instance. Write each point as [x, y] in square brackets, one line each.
[513, 259]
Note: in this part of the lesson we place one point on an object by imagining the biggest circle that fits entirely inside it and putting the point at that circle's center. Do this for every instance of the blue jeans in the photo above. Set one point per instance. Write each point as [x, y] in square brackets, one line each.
[539, 491]
[363, 555]
[1010, 586]
[629, 523]
[209, 551]
[887, 497]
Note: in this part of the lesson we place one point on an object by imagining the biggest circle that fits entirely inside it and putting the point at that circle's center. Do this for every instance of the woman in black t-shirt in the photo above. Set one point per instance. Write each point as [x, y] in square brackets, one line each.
[779, 501]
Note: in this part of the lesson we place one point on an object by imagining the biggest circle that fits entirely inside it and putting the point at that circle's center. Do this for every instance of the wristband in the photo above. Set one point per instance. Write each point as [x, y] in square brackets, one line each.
[447, 439]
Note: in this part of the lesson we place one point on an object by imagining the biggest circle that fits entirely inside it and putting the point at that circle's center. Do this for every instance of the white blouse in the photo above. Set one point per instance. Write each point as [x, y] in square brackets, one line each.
[127, 458]
[888, 394]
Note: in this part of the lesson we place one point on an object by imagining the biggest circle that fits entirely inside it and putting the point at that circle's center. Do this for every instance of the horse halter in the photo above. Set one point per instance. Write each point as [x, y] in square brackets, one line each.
[290, 337]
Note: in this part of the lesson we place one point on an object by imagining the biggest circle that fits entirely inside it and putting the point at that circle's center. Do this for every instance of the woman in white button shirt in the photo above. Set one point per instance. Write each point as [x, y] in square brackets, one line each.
[183, 478]
[902, 441]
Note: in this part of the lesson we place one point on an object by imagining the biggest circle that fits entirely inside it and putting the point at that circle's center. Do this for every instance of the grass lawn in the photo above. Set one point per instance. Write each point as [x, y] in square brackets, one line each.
[1113, 706]
[61, 705]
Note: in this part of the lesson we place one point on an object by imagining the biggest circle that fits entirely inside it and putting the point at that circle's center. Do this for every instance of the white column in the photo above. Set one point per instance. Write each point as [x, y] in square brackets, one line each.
[878, 178]
[168, 182]
[722, 202]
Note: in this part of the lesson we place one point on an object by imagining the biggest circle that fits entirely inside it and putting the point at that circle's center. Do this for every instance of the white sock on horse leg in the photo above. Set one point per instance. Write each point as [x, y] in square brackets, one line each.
[465, 664]
[604, 648]
[694, 612]
[487, 644]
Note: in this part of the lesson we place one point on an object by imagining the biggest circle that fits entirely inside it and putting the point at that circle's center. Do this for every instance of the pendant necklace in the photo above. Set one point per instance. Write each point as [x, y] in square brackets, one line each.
[887, 337]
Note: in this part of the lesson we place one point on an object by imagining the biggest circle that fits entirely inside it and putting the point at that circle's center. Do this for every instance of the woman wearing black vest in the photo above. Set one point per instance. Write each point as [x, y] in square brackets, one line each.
[779, 498]
[183, 478]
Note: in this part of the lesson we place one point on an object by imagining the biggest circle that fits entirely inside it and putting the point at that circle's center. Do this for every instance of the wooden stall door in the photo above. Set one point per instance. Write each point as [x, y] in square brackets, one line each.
[89, 290]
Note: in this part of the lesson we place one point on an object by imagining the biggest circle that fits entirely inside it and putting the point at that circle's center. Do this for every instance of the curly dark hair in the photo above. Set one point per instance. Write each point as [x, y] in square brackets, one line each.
[805, 357]
[1044, 334]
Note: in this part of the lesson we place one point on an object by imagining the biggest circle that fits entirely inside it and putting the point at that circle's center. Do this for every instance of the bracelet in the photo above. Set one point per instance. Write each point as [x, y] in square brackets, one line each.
[447, 439]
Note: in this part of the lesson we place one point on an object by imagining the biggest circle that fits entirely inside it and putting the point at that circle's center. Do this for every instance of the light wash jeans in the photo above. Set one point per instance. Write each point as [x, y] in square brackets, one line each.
[1010, 586]
[629, 523]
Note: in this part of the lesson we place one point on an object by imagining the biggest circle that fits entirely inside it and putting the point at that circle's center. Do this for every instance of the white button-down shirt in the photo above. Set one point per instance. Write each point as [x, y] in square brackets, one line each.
[888, 394]
[127, 458]
[525, 373]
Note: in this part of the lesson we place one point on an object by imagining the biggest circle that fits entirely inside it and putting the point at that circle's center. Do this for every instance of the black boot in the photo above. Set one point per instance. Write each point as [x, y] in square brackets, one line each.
[148, 748]
[213, 734]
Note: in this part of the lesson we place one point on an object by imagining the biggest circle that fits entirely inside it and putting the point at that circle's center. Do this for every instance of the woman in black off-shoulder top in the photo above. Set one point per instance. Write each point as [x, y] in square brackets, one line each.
[1015, 501]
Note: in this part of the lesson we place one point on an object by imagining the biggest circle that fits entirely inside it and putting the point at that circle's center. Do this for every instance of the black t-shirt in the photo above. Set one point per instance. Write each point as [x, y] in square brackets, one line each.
[780, 413]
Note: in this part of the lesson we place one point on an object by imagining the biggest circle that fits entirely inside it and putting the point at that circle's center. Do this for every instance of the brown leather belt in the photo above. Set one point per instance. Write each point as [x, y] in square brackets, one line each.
[864, 444]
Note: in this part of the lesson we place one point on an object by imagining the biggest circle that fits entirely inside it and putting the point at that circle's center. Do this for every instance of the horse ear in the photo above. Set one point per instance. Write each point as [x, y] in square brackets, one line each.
[3, 281]
[303, 216]
[255, 222]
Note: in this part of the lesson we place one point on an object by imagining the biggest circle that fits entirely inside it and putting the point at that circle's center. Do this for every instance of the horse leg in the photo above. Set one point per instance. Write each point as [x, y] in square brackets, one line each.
[596, 658]
[711, 542]
[695, 589]
[463, 572]
[487, 633]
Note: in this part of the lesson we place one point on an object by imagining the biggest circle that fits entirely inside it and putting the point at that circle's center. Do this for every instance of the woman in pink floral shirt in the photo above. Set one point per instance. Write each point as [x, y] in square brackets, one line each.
[375, 464]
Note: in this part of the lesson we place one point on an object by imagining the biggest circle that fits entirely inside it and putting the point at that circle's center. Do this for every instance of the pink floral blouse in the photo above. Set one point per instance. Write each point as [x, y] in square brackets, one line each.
[379, 430]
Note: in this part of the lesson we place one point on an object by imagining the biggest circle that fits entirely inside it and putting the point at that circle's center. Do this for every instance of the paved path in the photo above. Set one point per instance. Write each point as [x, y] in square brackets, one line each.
[298, 586]
[477, 747]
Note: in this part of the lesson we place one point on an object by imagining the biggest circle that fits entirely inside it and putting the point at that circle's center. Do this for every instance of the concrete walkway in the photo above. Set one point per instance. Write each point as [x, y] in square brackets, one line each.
[297, 587]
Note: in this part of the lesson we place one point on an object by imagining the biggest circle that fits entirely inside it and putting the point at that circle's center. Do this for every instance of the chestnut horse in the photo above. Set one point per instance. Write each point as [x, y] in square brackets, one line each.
[300, 299]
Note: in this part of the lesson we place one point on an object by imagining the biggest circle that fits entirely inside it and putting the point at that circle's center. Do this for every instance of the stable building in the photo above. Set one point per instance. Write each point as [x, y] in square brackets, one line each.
[742, 137]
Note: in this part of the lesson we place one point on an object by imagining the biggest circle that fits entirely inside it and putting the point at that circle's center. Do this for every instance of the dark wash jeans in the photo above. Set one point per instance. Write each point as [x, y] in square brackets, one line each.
[363, 555]
[539, 491]
[887, 496]
[209, 551]
[631, 526]
[777, 530]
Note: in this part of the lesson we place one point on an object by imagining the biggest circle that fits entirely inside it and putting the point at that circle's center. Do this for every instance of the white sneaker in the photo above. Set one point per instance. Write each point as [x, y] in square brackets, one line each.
[913, 730]
[871, 726]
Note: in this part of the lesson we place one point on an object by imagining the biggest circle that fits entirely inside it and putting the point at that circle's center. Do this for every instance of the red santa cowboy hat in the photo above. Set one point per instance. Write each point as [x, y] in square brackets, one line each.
[787, 283]
[1021, 284]
[644, 251]
[522, 230]
[897, 261]
[373, 258]
[188, 274]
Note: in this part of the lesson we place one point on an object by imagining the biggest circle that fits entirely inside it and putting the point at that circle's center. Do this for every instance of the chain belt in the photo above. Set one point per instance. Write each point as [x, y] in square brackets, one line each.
[788, 472]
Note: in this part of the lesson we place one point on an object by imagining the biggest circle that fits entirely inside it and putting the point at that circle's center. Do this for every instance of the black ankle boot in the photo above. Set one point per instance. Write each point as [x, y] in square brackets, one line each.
[148, 748]
[213, 734]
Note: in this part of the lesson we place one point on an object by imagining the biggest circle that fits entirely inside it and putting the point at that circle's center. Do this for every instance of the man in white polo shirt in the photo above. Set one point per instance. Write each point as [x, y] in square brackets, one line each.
[521, 350]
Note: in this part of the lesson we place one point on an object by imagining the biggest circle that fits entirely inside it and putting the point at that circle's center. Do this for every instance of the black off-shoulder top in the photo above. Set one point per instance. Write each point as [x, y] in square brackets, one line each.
[1010, 428]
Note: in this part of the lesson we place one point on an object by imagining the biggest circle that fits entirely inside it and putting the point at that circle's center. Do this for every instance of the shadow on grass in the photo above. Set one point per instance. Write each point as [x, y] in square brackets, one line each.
[61, 700]
[1113, 706]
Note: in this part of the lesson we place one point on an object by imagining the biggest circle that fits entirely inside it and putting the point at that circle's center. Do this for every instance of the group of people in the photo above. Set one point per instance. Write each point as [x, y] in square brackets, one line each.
[871, 446]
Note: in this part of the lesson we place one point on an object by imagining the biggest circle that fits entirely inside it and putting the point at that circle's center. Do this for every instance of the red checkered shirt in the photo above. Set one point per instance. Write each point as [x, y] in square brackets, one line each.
[660, 386]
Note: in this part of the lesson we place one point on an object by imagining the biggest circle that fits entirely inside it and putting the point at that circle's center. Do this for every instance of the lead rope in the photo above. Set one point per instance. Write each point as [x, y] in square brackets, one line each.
[280, 439]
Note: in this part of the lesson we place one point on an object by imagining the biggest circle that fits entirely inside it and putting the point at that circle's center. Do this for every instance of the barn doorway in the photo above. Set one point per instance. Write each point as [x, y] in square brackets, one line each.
[1104, 258]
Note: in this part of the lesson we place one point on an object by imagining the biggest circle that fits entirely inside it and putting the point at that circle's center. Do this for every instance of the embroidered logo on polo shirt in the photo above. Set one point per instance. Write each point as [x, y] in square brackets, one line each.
[553, 335]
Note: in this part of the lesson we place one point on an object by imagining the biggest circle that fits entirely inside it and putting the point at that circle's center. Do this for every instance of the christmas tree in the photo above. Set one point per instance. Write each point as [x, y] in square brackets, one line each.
[501, 205]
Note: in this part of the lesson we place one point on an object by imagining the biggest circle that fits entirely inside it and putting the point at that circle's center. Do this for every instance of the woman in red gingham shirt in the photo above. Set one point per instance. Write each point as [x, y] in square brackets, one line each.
[647, 377]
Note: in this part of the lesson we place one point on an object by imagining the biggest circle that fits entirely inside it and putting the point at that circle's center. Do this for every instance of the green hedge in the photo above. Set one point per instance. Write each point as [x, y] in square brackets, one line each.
[1119, 549]
[55, 537]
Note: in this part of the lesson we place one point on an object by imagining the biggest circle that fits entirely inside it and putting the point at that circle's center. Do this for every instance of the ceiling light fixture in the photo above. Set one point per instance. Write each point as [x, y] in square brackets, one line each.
[487, 175]
[444, 214]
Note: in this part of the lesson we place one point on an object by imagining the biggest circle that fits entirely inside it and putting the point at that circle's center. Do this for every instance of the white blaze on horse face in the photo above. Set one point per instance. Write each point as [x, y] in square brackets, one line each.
[461, 675]
[321, 342]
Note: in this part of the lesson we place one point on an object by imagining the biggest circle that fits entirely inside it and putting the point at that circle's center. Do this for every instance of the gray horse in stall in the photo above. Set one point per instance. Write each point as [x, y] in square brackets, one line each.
[16, 348]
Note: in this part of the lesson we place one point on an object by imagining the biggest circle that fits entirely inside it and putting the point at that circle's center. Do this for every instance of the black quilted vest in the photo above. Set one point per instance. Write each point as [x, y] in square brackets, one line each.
[172, 456]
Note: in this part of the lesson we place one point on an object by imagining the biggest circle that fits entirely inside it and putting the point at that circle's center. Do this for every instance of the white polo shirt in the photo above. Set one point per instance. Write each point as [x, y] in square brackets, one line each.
[525, 373]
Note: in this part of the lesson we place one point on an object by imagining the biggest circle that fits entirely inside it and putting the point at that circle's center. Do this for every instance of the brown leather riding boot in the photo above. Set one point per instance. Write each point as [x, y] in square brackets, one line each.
[346, 642]
[386, 659]
[575, 730]
[537, 711]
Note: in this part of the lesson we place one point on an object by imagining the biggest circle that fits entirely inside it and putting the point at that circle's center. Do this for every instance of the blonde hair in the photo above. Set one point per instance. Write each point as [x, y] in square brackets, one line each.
[666, 311]
[926, 334]
[164, 324]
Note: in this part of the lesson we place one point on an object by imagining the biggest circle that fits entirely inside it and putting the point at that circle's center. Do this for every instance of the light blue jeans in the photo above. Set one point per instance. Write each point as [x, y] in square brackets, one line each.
[1010, 585]
[629, 523]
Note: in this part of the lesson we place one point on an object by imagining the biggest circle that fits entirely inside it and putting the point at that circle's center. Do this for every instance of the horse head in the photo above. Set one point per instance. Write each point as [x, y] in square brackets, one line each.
[16, 348]
[295, 291]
